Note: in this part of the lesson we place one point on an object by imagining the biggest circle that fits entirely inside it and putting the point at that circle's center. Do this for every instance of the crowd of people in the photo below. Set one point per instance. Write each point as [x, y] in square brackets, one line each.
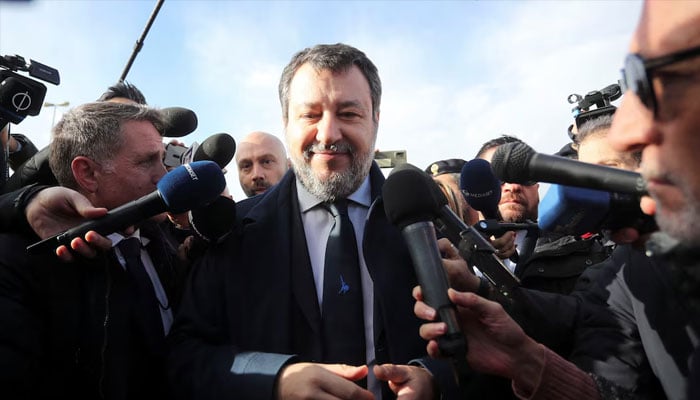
[308, 291]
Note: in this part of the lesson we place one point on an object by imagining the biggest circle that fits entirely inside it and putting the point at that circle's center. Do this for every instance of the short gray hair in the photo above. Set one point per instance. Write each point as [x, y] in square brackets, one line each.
[93, 130]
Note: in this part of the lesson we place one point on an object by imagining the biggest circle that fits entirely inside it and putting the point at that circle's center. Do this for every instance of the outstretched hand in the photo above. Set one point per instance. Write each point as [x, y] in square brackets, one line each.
[408, 382]
[322, 381]
[496, 343]
[56, 209]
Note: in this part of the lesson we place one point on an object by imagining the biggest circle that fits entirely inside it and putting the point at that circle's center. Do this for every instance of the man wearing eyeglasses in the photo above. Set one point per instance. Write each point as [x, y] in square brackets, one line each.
[659, 116]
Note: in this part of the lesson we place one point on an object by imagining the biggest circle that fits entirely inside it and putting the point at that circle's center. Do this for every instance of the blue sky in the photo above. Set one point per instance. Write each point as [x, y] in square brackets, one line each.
[454, 73]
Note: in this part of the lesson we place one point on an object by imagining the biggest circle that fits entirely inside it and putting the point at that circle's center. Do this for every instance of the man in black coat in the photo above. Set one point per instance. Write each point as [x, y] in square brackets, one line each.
[80, 330]
[252, 322]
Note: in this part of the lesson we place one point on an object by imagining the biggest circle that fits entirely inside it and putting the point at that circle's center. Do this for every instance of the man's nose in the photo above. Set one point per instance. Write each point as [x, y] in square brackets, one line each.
[328, 129]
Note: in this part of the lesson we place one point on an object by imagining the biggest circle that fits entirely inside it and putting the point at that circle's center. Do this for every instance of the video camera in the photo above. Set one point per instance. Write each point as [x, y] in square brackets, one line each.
[600, 98]
[19, 95]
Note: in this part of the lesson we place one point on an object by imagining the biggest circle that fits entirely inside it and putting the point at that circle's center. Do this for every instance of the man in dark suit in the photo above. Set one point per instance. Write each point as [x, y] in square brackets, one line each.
[94, 328]
[254, 323]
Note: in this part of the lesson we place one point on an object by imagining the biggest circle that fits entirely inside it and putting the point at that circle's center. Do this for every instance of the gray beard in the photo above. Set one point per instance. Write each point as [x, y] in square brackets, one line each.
[684, 225]
[340, 184]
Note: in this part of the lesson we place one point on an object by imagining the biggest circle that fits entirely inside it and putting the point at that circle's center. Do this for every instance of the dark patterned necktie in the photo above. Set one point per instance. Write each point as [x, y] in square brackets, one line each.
[146, 310]
[342, 316]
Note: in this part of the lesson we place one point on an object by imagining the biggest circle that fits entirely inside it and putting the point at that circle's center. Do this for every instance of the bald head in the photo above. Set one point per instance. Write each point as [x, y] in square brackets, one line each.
[261, 161]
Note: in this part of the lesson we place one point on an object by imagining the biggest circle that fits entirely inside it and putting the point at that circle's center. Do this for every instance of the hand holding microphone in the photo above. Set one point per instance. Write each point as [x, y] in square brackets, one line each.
[186, 187]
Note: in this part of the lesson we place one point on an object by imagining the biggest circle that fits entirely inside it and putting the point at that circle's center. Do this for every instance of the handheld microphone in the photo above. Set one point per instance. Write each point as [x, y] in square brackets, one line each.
[411, 204]
[214, 221]
[483, 192]
[219, 148]
[179, 121]
[491, 227]
[575, 211]
[519, 163]
[481, 187]
[185, 187]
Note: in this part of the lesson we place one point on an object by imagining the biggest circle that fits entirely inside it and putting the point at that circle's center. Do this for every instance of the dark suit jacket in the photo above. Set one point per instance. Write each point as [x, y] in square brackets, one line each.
[67, 328]
[252, 304]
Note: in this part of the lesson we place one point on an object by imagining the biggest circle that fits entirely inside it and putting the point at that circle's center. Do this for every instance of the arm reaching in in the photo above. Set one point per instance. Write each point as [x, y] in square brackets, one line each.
[321, 381]
[497, 345]
[56, 209]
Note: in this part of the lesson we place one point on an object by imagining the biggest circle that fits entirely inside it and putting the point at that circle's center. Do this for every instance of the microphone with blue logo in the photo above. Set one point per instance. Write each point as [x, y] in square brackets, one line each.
[184, 188]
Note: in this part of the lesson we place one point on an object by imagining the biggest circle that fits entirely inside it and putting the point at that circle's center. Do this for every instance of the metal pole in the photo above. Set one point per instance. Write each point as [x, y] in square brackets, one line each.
[139, 42]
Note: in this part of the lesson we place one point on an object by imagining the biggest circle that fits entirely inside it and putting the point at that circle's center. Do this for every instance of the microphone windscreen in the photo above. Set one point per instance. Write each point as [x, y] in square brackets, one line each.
[219, 148]
[511, 162]
[572, 210]
[410, 196]
[480, 187]
[215, 220]
[179, 121]
[191, 185]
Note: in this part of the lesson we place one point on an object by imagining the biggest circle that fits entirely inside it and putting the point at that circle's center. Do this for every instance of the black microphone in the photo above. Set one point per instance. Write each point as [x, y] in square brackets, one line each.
[219, 148]
[411, 204]
[481, 187]
[214, 221]
[491, 227]
[519, 163]
[179, 121]
[483, 192]
[185, 187]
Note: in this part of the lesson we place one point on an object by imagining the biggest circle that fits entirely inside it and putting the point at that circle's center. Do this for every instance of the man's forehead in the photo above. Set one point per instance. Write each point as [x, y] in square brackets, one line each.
[307, 76]
[667, 27]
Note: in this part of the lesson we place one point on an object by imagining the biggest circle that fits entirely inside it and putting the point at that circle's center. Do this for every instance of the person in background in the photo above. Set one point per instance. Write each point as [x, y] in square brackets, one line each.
[261, 161]
[592, 146]
[446, 174]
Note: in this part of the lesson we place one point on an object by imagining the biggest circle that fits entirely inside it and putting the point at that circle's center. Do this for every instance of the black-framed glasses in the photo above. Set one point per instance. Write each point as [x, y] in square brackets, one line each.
[636, 75]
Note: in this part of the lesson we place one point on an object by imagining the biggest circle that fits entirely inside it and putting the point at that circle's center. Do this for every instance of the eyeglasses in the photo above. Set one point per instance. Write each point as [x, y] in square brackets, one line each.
[636, 75]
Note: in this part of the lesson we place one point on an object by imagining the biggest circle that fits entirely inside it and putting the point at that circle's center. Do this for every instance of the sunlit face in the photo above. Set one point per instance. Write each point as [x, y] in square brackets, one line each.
[596, 149]
[669, 141]
[518, 202]
[331, 130]
[135, 168]
[261, 162]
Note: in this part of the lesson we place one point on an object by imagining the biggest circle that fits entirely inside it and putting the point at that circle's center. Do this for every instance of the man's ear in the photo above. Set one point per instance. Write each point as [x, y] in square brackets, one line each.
[85, 172]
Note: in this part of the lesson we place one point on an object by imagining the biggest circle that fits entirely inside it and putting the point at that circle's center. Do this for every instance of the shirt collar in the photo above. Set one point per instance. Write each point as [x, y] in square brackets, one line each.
[117, 237]
[307, 201]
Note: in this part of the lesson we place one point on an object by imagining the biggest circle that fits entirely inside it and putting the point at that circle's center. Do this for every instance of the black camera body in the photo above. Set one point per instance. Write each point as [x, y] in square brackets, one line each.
[20, 95]
[601, 99]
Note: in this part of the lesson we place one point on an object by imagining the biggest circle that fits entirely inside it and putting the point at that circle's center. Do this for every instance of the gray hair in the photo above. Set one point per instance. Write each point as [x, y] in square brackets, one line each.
[337, 58]
[93, 130]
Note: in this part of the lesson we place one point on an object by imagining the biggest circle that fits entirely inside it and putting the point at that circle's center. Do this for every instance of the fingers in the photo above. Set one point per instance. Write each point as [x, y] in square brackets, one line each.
[390, 372]
[447, 249]
[83, 207]
[417, 293]
[648, 205]
[350, 372]
[432, 330]
[424, 311]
